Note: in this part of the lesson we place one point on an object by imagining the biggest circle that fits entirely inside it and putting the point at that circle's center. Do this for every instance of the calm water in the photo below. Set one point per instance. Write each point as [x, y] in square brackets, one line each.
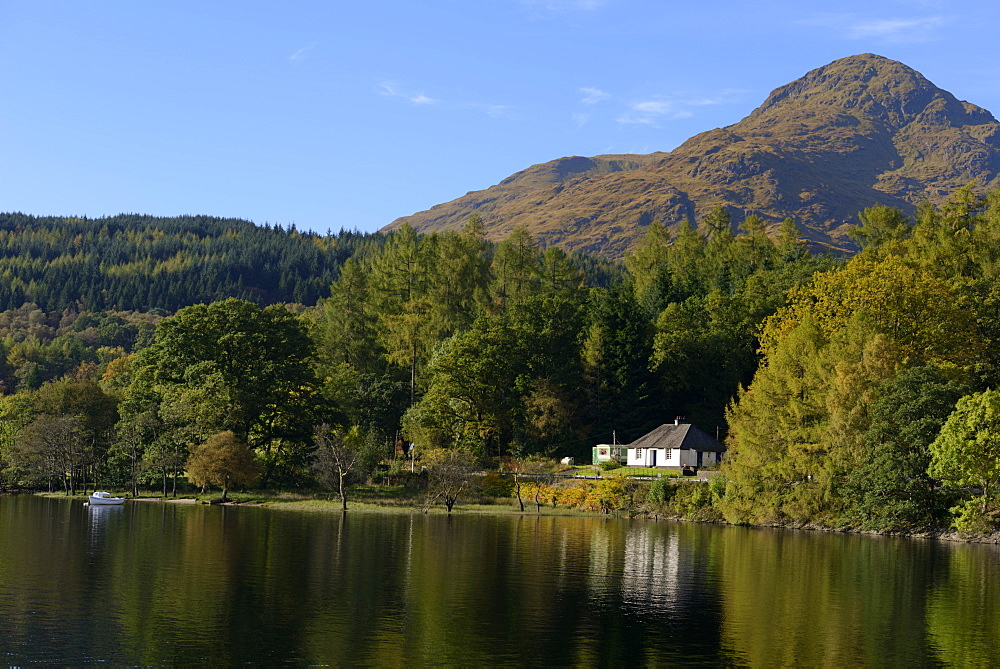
[163, 584]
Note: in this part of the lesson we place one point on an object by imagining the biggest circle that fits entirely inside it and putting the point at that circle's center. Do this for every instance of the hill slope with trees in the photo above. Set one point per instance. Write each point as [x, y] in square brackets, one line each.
[145, 263]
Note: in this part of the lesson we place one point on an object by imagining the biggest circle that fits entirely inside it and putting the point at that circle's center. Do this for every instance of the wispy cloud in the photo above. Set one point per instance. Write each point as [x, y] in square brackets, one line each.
[651, 112]
[897, 30]
[392, 90]
[890, 30]
[591, 96]
[301, 53]
[496, 111]
[565, 5]
[657, 109]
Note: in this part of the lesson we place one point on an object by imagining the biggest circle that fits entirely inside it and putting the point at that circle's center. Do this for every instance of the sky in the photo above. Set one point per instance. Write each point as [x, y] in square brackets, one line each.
[337, 114]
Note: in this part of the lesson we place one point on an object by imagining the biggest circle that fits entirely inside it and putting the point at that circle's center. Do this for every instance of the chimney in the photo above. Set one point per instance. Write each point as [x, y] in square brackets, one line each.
[679, 420]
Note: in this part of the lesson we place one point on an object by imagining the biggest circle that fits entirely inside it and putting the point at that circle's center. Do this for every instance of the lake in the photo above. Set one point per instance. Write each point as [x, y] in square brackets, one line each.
[171, 584]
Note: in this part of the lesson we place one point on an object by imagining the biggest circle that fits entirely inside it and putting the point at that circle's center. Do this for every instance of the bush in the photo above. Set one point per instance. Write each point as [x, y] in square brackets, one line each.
[696, 501]
[615, 493]
[573, 496]
[494, 485]
[660, 494]
[610, 465]
[972, 520]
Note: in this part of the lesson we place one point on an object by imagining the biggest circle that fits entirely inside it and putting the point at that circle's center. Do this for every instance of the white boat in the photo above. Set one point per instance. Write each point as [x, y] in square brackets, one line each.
[105, 498]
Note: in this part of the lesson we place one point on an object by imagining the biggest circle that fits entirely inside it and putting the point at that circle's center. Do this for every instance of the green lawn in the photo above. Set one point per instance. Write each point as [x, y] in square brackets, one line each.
[589, 470]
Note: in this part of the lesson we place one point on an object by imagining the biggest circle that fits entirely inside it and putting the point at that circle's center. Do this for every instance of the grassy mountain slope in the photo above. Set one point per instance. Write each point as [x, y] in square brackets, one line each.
[859, 131]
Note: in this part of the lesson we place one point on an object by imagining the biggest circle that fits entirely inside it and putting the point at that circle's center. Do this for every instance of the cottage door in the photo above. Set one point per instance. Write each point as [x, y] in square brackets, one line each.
[652, 459]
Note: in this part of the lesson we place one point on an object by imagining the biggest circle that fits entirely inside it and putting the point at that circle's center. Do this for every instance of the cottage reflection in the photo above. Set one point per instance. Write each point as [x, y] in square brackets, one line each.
[651, 574]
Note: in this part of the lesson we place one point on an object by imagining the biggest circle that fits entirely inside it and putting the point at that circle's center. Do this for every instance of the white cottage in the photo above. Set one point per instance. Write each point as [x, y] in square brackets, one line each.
[677, 445]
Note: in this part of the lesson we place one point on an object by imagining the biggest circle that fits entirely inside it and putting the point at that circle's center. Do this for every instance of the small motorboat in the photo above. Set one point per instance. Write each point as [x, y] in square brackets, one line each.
[102, 498]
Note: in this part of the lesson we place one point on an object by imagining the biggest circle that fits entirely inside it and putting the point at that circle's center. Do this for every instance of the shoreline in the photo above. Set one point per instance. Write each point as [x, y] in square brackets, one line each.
[318, 505]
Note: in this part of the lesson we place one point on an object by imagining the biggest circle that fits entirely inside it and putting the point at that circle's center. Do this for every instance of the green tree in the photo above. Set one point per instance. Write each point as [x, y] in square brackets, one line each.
[472, 396]
[514, 269]
[967, 453]
[400, 276]
[647, 264]
[890, 489]
[881, 226]
[776, 431]
[134, 435]
[348, 325]
[260, 361]
[919, 312]
[95, 413]
[791, 245]
[618, 349]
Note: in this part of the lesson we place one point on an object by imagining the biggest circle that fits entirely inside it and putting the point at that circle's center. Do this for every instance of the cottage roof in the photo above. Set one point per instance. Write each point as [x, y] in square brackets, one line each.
[685, 436]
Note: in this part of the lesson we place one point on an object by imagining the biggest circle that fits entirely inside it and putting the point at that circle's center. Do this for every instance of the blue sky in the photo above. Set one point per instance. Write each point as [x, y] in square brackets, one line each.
[342, 114]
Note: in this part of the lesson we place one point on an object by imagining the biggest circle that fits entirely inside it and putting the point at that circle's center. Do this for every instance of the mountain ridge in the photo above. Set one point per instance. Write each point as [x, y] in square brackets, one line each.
[859, 131]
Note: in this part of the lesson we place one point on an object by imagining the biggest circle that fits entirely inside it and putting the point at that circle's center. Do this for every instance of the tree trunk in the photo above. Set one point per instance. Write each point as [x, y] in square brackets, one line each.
[413, 374]
[173, 465]
[343, 493]
[135, 477]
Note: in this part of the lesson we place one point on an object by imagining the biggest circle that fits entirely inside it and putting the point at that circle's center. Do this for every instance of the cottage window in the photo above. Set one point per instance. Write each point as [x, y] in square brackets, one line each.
[638, 454]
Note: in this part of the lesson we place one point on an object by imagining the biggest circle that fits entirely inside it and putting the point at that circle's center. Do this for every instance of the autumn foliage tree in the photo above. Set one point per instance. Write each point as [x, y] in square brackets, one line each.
[225, 461]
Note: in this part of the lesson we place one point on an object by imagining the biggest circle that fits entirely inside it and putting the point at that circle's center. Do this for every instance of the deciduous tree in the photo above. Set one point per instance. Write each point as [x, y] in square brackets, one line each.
[225, 461]
[343, 458]
[967, 453]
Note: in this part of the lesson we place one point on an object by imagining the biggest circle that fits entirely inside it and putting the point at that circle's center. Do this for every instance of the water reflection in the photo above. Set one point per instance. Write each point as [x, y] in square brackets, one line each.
[967, 591]
[208, 585]
[651, 570]
[100, 517]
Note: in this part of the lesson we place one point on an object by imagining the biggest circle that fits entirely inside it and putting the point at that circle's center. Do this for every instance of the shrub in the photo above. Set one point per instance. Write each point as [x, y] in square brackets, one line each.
[494, 485]
[615, 493]
[610, 465]
[695, 500]
[661, 492]
[573, 497]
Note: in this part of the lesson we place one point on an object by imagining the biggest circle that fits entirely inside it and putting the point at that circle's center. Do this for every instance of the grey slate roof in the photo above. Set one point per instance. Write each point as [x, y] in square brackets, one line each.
[684, 436]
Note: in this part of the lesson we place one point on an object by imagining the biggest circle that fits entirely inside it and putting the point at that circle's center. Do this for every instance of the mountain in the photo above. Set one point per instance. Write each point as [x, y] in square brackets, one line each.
[862, 130]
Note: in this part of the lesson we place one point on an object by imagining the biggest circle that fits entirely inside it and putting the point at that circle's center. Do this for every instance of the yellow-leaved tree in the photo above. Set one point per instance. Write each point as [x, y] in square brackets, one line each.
[795, 432]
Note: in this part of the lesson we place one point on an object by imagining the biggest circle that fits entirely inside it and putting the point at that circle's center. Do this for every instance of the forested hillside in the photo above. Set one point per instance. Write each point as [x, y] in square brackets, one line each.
[445, 340]
[851, 392]
[144, 263]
